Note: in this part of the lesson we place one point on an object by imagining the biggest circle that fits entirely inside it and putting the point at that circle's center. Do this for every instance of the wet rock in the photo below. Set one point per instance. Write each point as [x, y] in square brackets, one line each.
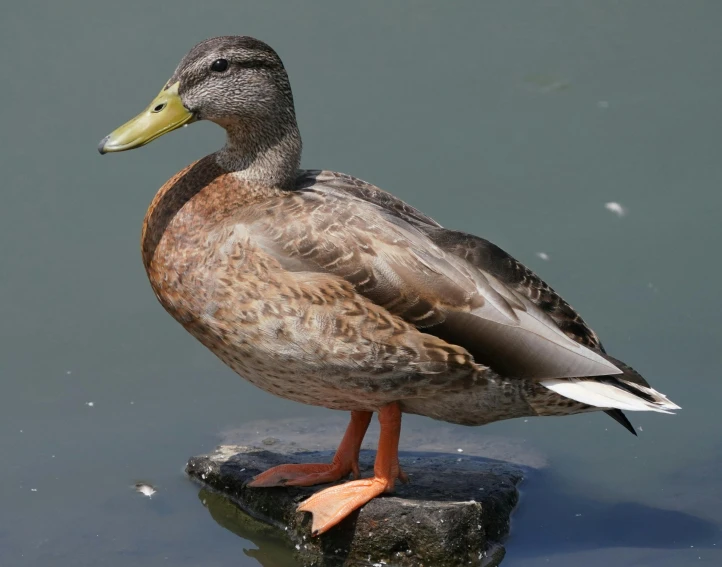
[455, 511]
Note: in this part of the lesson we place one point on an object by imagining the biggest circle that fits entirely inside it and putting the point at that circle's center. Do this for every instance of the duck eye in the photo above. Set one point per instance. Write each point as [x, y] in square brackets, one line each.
[219, 65]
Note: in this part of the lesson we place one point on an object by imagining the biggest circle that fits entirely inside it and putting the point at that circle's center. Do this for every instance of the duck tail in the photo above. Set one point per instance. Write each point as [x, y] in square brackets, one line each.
[625, 391]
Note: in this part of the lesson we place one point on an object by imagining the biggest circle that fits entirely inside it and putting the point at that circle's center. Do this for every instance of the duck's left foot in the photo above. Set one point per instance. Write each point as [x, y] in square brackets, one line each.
[332, 505]
[345, 461]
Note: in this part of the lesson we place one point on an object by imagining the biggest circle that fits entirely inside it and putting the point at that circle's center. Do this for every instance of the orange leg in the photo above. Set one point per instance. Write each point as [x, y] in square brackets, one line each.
[344, 461]
[332, 505]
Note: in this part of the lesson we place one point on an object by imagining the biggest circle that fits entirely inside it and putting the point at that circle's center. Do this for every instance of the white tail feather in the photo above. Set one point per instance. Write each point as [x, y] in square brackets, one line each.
[603, 395]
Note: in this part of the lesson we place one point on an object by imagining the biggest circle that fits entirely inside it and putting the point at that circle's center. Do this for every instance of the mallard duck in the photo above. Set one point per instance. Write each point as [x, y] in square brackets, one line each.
[321, 288]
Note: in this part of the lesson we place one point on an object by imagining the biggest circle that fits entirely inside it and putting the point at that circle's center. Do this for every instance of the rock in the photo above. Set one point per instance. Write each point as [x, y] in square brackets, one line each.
[455, 511]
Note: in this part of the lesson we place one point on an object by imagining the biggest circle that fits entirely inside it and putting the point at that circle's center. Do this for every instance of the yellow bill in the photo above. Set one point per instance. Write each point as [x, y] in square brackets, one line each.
[164, 114]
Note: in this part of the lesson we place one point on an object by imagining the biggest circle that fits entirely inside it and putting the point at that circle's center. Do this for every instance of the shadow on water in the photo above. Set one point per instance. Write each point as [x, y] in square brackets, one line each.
[547, 520]
[552, 520]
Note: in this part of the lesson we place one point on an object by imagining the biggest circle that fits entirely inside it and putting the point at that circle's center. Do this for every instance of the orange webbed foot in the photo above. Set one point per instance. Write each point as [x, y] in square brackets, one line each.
[332, 505]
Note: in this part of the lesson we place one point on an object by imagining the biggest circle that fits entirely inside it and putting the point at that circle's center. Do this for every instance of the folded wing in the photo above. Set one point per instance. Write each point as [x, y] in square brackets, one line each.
[379, 245]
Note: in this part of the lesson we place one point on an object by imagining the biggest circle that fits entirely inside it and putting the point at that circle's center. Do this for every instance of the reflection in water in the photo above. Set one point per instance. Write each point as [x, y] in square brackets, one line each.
[273, 550]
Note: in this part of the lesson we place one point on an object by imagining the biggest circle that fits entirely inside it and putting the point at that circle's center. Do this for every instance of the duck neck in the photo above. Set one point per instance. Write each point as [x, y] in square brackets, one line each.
[269, 155]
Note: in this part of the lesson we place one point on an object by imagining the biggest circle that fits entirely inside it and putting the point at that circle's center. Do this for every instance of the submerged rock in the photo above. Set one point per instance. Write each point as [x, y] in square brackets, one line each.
[455, 511]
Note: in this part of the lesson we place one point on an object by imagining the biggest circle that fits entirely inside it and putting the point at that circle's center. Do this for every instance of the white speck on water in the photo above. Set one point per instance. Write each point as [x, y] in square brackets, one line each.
[640, 428]
[68, 372]
[603, 104]
[21, 431]
[90, 404]
[577, 515]
[33, 490]
[543, 255]
[460, 450]
[243, 469]
[615, 208]
[526, 420]
[145, 489]
[458, 460]
[132, 402]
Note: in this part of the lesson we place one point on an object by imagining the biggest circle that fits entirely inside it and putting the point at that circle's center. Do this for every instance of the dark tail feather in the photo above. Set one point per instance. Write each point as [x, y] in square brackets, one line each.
[628, 373]
[621, 419]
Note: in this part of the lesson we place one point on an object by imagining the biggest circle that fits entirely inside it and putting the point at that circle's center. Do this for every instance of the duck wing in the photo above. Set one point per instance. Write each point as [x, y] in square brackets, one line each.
[376, 243]
[501, 350]
[477, 251]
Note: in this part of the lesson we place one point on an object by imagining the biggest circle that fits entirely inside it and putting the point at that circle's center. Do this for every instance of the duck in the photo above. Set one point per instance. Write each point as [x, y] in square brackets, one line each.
[324, 289]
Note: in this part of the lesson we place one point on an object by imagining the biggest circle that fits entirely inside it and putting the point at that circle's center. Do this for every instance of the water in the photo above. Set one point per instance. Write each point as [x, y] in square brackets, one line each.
[514, 120]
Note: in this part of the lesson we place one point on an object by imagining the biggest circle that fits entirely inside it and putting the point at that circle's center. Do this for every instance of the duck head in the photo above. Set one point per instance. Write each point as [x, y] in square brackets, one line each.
[240, 84]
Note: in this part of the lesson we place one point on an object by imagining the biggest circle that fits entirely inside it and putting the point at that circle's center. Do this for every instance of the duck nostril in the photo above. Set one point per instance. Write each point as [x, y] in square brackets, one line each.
[160, 107]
